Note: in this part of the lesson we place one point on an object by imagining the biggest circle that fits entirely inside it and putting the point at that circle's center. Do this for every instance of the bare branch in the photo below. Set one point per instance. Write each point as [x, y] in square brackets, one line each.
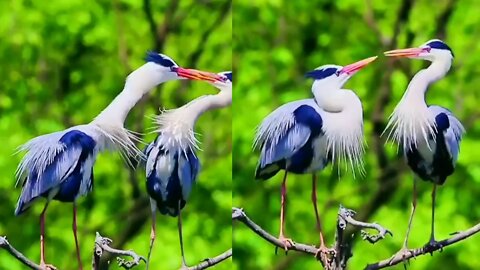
[345, 217]
[17, 254]
[336, 260]
[103, 244]
[459, 236]
[207, 263]
[239, 214]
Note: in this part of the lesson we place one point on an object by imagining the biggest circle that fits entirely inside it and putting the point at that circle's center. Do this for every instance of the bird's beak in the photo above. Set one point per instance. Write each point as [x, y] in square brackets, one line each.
[410, 52]
[352, 68]
[194, 74]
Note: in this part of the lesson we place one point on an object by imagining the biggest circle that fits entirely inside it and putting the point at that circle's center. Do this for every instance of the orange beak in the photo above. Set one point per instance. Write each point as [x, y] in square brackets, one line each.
[410, 52]
[193, 74]
[352, 68]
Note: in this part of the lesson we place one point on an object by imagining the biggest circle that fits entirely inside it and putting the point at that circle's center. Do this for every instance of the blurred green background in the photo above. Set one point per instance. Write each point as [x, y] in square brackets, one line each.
[275, 43]
[62, 62]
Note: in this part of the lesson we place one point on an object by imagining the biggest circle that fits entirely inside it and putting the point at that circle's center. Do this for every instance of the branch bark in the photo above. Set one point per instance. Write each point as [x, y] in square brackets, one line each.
[17, 254]
[207, 263]
[102, 244]
[337, 259]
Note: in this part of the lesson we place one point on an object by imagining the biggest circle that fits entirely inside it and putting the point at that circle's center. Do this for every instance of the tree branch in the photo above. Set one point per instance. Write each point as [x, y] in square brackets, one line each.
[337, 259]
[459, 236]
[103, 244]
[213, 261]
[17, 254]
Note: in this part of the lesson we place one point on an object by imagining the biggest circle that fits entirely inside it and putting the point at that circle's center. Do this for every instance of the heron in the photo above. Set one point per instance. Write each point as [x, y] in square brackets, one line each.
[304, 136]
[59, 166]
[429, 135]
[172, 166]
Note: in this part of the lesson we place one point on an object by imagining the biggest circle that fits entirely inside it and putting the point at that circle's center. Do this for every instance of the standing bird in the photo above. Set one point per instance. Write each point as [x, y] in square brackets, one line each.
[429, 135]
[59, 165]
[172, 166]
[304, 136]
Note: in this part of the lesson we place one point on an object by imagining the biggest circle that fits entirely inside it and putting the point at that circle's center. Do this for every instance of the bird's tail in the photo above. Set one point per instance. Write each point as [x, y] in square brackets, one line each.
[268, 171]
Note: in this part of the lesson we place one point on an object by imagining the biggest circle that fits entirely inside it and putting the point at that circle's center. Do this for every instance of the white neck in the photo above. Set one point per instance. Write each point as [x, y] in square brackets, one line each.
[138, 83]
[195, 108]
[177, 125]
[419, 84]
[411, 119]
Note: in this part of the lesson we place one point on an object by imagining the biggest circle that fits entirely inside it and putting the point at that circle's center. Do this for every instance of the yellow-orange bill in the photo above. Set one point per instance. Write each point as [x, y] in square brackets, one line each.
[404, 52]
[194, 74]
[358, 65]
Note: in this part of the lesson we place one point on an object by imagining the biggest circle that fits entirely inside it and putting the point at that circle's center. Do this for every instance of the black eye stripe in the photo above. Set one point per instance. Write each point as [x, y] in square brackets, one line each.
[440, 46]
[159, 59]
[319, 74]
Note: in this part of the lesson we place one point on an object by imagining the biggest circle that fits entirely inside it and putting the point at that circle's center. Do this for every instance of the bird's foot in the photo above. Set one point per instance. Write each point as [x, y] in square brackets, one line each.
[403, 254]
[45, 266]
[433, 245]
[325, 255]
[287, 243]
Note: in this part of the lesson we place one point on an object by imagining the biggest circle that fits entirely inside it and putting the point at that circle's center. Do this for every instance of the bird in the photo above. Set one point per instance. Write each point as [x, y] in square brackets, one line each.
[59, 166]
[171, 165]
[304, 136]
[429, 135]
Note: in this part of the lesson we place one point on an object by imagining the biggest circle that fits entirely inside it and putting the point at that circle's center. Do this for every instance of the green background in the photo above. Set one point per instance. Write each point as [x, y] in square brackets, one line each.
[275, 43]
[62, 62]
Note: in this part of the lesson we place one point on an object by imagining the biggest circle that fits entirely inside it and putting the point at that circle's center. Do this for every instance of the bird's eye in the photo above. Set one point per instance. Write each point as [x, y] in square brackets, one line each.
[337, 73]
[428, 49]
[173, 69]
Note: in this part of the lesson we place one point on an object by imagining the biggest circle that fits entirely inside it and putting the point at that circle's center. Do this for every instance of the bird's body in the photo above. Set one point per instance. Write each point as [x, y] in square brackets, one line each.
[59, 165]
[306, 135]
[172, 165]
[301, 137]
[429, 135]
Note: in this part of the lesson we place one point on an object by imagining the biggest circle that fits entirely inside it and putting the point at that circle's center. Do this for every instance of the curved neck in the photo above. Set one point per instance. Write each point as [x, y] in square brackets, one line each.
[198, 106]
[330, 99]
[419, 84]
[138, 83]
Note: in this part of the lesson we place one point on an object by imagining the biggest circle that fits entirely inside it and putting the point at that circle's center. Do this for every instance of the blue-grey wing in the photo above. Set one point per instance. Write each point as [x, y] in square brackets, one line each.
[188, 168]
[48, 164]
[452, 128]
[282, 134]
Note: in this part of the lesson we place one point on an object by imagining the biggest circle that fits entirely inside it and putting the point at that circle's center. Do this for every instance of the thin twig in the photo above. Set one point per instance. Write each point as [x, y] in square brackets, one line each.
[459, 236]
[103, 244]
[17, 254]
[212, 261]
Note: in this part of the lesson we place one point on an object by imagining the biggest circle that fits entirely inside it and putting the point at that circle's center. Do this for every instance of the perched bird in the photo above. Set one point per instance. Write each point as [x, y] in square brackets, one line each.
[172, 165]
[304, 136]
[59, 165]
[429, 135]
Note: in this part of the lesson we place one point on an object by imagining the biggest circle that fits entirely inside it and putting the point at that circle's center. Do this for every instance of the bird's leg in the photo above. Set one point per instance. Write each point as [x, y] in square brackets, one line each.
[404, 251]
[74, 227]
[287, 242]
[42, 241]
[184, 264]
[432, 243]
[153, 207]
[323, 252]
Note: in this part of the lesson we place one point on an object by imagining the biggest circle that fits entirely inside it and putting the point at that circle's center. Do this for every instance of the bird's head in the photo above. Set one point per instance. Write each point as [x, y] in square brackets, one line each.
[165, 69]
[431, 50]
[224, 84]
[337, 76]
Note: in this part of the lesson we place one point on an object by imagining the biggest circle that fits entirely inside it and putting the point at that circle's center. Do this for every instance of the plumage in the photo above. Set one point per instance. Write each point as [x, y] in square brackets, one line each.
[59, 165]
[170, 177]
[429, 135]
[171, 164]
[435, 160]
[304, 136]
